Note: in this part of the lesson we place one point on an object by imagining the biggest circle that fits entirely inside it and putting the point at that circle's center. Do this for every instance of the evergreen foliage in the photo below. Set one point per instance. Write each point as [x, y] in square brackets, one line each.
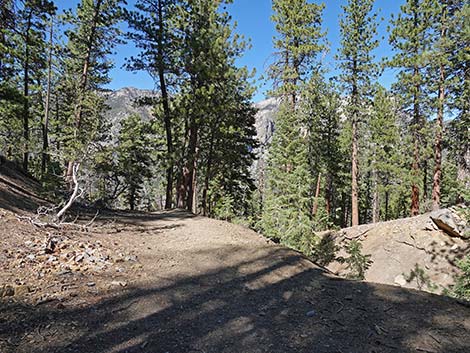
[411, 37]
[358, 30]
[133, 152]
[287, 209]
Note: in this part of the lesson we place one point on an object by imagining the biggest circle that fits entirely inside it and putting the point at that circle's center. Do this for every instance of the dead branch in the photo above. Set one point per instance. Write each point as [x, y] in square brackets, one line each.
[75, 193]
[37, 223]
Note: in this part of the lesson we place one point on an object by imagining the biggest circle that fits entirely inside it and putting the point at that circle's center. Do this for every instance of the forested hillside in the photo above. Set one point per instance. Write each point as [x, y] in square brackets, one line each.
[327, 150]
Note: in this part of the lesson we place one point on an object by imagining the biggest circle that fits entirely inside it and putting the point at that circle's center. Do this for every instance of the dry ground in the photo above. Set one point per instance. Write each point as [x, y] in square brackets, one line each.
[201, 285]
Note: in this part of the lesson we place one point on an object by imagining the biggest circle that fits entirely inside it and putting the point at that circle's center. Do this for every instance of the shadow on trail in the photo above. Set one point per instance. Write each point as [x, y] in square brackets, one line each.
[140, 217]
[275, 302]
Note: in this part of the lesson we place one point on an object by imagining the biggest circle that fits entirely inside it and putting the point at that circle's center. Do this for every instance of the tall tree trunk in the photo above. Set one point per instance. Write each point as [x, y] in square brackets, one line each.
[192, 167]
[416, 150]
[354, 160]
[328, 193]
[317, 194]
[416, 133]
[166, 108]
[387, 198]
[436, 186]
[207, 178]
[26, 96]
[375, 198]
[45, 125]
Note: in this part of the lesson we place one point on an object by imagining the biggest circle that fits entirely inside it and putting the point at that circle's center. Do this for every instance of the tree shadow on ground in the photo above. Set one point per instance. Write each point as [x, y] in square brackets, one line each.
[140, 217]
[275, 301]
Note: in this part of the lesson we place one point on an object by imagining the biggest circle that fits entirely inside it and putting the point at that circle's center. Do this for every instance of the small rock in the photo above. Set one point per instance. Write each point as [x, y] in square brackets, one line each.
[119, 283]
[91, 284]
[287, 295]
[311, 313]
[131, 258]
[400, 280]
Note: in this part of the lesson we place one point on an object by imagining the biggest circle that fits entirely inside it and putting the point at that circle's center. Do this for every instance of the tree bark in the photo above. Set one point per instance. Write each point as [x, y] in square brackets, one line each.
[416, 136]
[166, 109]
[317, 194]
[436, 186]
[45, 125]
[416, 150]
[26, 95]
[354, 157]
[192, 167]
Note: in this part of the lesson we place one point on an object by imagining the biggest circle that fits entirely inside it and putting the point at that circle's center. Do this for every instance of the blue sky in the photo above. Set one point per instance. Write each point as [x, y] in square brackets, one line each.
[253, 21]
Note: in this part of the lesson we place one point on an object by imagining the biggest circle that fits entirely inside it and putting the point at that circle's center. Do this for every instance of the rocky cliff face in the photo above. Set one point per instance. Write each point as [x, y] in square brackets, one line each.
[265, 120]
[124, 102]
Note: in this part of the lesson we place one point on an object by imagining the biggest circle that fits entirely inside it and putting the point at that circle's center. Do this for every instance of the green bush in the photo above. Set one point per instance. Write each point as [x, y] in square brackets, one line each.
[461, 289]
[357, 263]
[421, 278]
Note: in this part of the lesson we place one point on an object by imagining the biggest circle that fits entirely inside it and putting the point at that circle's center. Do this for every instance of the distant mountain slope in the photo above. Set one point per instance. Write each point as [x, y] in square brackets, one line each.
[123, 102]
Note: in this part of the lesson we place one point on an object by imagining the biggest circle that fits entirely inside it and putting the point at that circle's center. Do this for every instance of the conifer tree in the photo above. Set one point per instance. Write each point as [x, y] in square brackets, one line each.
[33, 17]
[298, 43]
[386, 154]
[411, 37]
[134, 157]
[91, 38]
[287, 209]
[321, 109]
[458, 135]
[358, 29]
[11, 98]
[209, 49]
[152, 32]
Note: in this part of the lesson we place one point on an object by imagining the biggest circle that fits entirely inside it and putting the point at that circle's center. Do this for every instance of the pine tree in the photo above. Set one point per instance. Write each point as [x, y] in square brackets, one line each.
[227, 144]
[321, 108]
[458, 135]
[386, 154]
[91, 38]
[288, 200]
[358, 29]
[287, 208]
[209, 49]
[411, 37]
[133, 151]
[152, 32]
[33, 18]
[298, 43]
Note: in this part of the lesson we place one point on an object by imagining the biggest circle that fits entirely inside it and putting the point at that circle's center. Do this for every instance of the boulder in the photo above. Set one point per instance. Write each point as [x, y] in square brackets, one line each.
[451, 223]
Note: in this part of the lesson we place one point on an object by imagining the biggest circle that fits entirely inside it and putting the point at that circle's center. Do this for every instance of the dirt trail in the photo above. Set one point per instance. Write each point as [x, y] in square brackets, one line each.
[209, 286]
